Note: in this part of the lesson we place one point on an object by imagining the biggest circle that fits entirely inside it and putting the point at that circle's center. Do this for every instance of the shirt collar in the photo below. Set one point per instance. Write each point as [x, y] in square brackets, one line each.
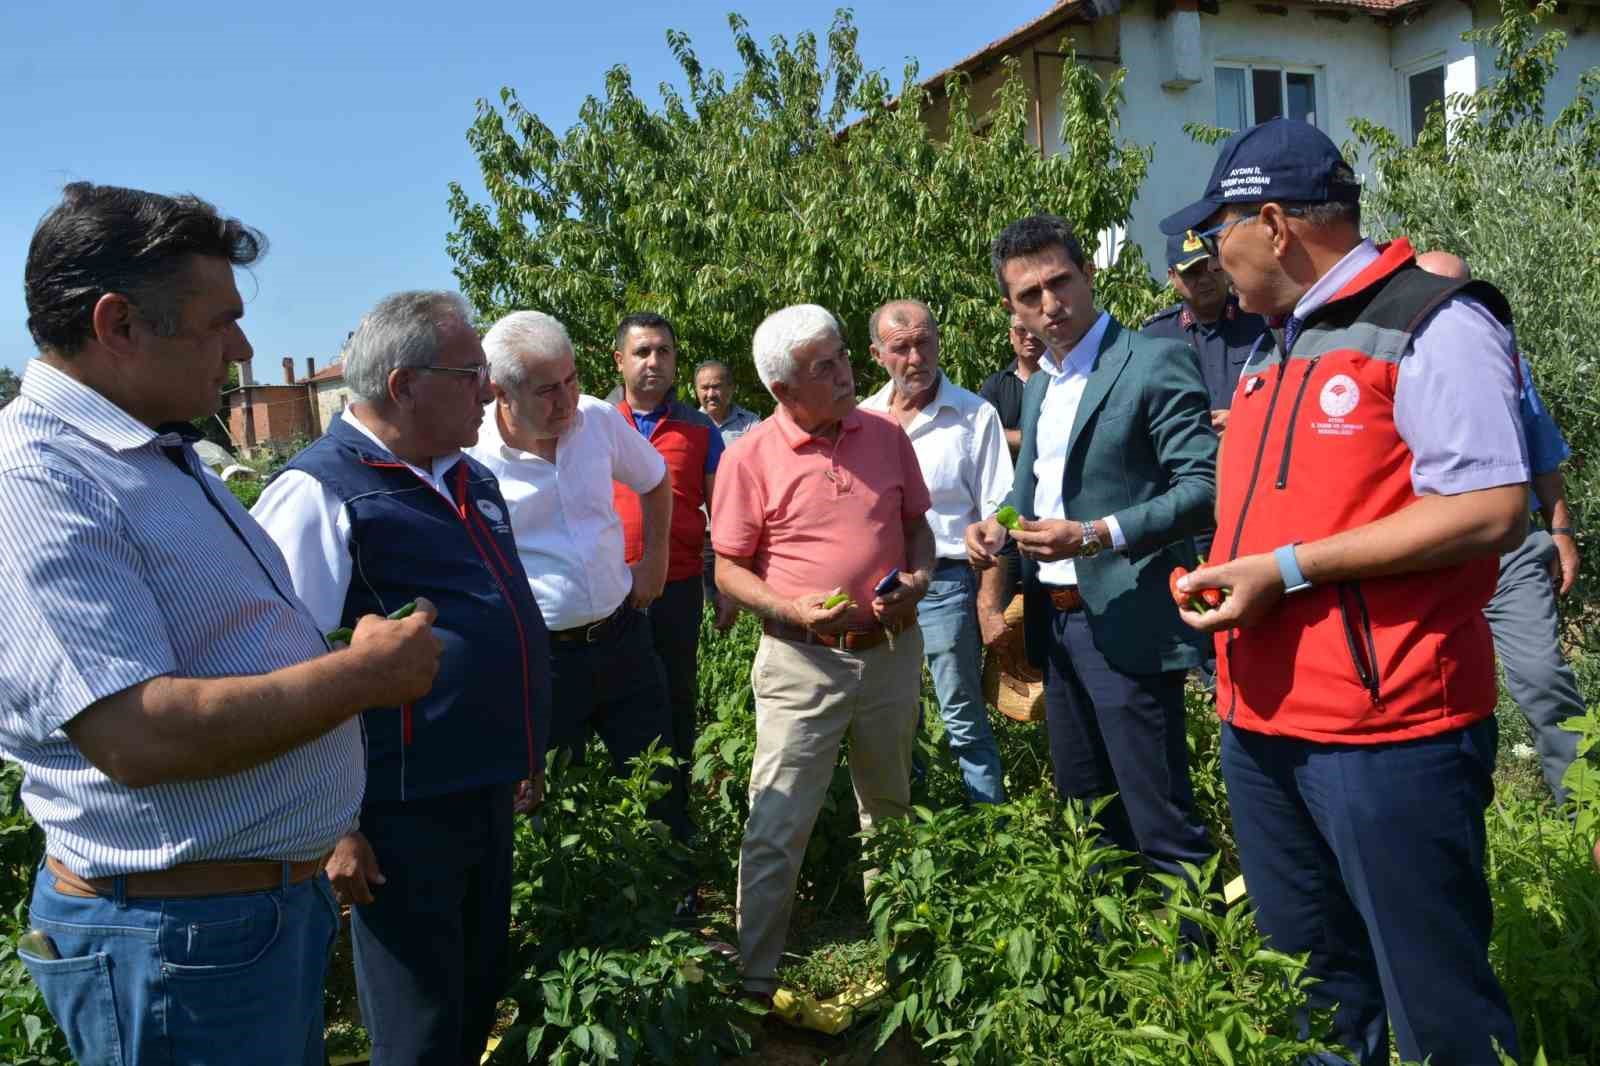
[943, 396]
[795, 437]
[83, 408]
[441, 463]
[1082, 356]
[1354, 262]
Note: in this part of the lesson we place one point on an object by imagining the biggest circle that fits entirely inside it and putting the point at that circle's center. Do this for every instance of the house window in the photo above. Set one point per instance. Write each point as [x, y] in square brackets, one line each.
[1247, 94]
[1424, 88]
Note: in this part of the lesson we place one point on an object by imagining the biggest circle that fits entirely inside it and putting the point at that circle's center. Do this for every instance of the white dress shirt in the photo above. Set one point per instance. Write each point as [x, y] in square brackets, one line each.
[568, 534]
[312, 527]
[1068, 376]
[961, 447]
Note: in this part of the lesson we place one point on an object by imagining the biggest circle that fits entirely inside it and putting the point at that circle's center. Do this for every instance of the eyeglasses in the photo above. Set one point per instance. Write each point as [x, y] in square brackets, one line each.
[481, 371]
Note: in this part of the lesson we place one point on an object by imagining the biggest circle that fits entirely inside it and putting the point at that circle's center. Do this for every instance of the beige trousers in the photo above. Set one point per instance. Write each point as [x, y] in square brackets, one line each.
[807, 699]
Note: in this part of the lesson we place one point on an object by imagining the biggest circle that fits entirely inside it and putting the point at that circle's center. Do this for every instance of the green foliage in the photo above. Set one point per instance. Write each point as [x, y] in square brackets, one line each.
[668, 1002]
[748, 192]
[10, 385]
[1012, 937]
[604, 976]
[1520, 201]
[1546, 945]
[28, 1035]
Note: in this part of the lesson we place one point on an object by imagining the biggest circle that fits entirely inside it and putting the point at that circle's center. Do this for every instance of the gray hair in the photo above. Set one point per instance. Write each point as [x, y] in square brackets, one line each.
[401, 331]
[781, 332]
[519, 336]
[711, 364]
[895, 310]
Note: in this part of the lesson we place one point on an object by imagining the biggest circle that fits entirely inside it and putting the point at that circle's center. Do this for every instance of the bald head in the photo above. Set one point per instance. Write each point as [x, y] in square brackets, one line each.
[900, 313]
[1445, 264]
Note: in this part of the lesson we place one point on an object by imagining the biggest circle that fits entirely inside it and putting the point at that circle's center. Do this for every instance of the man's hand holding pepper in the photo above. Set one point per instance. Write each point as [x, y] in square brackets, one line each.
[1254, 588]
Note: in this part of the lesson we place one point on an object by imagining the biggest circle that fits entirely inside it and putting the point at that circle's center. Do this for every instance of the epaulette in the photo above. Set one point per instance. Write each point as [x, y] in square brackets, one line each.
[1165, 312]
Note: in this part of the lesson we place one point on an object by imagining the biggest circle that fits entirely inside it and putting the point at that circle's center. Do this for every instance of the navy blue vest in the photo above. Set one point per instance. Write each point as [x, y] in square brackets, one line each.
[487, 718]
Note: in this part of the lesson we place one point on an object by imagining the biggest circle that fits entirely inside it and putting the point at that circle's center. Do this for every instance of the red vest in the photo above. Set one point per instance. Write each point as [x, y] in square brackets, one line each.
[1311, 450]
[683, 439]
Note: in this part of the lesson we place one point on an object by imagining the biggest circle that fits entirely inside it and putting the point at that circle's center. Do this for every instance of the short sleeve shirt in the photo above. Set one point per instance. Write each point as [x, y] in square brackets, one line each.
[1004, 390]
[814, 514]
[1456, 397]
[568, 534]
[120, 566]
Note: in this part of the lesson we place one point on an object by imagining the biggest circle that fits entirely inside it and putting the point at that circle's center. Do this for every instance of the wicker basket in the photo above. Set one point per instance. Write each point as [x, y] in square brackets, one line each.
[1004, 698]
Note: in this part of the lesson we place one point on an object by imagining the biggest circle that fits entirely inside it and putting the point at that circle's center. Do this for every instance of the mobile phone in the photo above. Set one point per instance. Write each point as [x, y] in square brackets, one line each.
[890, 582]
[38, 945]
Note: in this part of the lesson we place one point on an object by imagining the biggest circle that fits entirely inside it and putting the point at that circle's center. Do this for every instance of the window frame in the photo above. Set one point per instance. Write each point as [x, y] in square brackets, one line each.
[1284, 69]
[1436, 60]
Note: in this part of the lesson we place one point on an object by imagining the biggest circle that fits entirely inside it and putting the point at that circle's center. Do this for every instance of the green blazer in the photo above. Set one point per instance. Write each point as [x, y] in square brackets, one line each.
[1142, 449]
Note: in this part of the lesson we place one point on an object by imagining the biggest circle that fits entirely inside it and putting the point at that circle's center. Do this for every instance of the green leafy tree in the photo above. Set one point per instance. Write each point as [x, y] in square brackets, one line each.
[1519, 199]
[744, 193]
[10, 385]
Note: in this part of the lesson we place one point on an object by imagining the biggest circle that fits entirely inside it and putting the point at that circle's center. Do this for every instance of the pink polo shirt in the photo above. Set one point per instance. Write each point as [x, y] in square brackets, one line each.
[814, 515]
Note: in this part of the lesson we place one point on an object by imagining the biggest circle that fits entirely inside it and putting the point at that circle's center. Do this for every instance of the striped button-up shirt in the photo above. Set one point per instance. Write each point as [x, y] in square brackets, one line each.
[120, 567]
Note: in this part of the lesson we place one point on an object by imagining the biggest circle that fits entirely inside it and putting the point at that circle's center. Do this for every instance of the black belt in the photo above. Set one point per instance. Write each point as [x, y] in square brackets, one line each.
[594, 632]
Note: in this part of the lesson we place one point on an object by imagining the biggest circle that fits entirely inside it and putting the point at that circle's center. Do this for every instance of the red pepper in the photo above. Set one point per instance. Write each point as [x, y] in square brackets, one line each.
[1212, 597]
[1178, 596]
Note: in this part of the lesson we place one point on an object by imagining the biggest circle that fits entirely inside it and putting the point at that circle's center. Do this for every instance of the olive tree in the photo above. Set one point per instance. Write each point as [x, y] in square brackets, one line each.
[1519, 198]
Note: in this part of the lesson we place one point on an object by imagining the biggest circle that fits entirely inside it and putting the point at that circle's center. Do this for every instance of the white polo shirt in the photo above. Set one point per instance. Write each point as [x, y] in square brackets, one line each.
[568, 535]
[961, 448]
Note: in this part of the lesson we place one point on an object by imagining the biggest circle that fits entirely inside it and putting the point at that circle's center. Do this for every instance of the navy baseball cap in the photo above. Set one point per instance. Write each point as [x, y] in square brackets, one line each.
[1184, 250]
[1283, 160]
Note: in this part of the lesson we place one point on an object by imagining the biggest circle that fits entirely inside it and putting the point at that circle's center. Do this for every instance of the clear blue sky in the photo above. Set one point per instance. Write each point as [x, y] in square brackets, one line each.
[336, 127]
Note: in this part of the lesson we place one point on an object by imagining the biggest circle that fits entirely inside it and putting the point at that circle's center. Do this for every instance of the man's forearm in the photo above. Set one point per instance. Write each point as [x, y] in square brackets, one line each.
[1432, 532]
[1550, 489]
[992, 585]
[655, 510]
[920, 546]
[172, 729]
[1014, 440]
[737, 582]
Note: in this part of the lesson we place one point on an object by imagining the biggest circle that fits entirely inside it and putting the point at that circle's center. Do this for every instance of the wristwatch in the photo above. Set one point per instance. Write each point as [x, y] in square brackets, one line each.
[1090, 537]
[1289, 570]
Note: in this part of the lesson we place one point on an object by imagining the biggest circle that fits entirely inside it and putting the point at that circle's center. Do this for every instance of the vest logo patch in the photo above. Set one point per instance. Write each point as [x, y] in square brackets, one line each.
[491, 511]
[1339, 396]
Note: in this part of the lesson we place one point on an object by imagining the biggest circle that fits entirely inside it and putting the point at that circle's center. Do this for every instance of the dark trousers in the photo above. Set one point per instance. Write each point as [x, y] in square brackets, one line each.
[1112, 732]
[616, 687]
[675, 628]
[431, 950]
[1370, 858]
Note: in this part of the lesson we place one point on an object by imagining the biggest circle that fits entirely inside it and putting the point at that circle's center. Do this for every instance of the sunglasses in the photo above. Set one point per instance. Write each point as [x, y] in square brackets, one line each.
[1209, 239]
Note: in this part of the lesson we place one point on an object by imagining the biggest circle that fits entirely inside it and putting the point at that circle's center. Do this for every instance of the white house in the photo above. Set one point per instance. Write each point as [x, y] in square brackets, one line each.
[1232, 63]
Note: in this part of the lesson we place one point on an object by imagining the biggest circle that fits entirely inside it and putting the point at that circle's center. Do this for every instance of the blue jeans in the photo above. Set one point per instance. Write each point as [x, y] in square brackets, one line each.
[949, 623]
[233, 980]
[1369, 858]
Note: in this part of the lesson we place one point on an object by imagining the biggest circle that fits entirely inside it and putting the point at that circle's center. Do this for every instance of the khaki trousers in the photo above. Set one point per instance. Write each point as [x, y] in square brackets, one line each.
[807, 699]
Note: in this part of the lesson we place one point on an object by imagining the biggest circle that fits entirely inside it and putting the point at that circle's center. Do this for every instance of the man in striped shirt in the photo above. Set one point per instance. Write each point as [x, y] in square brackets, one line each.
[187, 740]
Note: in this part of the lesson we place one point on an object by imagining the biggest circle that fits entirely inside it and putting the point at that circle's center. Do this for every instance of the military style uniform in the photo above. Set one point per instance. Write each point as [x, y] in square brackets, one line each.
[1223, 346]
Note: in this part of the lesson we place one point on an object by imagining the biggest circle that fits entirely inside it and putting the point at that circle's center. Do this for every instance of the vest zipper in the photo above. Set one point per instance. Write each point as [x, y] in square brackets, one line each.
[1294, 411]
[466, 515]
[1358, 638]
[1244, 508]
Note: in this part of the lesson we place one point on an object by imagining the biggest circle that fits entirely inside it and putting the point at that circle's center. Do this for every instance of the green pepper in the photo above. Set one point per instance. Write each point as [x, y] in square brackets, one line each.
[1007, 516]
[835, 600]
[343, 634]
